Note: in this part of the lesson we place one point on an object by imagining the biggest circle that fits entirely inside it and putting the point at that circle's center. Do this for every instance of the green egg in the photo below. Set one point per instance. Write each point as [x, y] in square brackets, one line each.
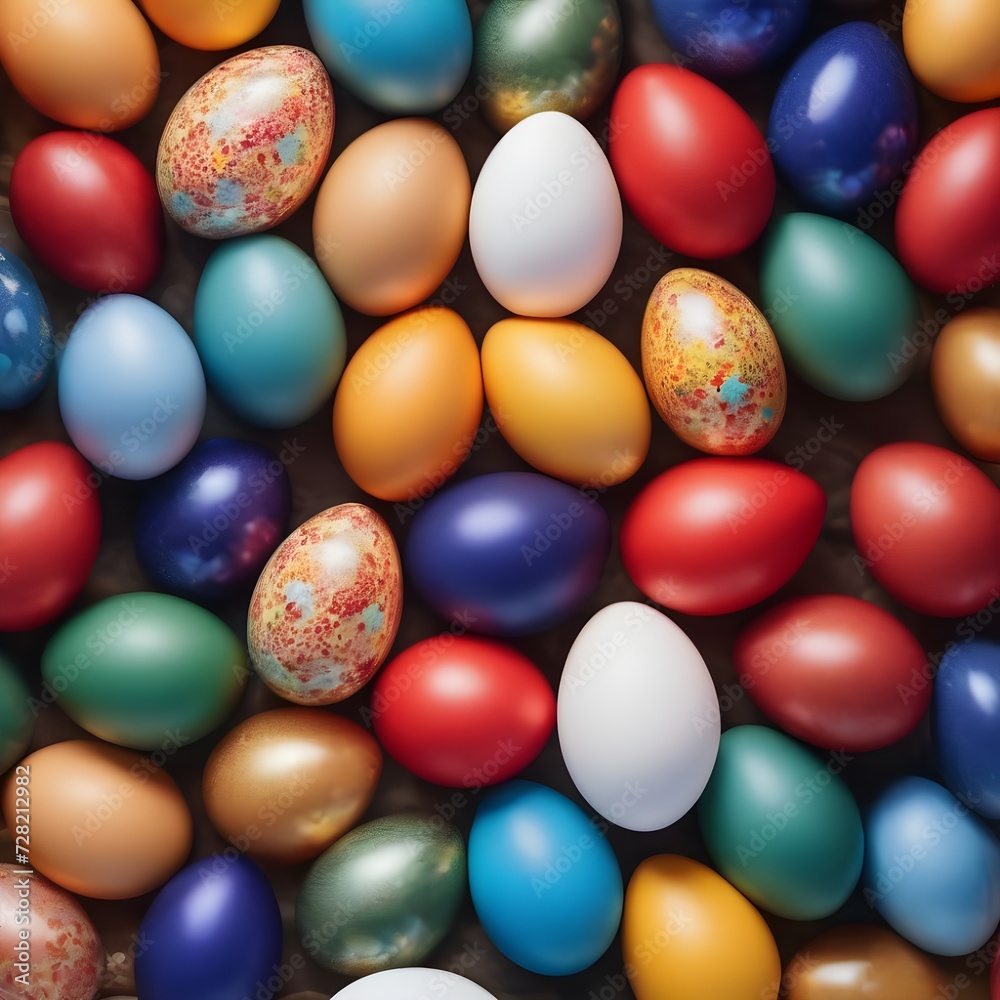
[781, 825]
[17, 721]
[383, 896]
[841, 306]
[145, 670]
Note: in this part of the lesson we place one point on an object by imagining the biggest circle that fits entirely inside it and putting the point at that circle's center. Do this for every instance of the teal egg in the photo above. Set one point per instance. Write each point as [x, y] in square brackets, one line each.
[841, 306]
[145, 670]
[269, 330]
[17, 721]
[781, 825]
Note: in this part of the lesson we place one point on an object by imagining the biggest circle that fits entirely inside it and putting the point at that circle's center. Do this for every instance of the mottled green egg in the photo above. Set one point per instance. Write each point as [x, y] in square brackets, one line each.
[17, 721]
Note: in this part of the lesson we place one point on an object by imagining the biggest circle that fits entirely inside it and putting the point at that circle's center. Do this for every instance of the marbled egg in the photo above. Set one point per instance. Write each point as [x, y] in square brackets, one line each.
[325, 610]
[26, 345]
[711, 364]
[247, 143]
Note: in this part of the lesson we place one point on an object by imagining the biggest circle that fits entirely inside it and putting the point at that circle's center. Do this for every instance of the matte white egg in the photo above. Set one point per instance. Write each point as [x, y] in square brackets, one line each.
[413, 984]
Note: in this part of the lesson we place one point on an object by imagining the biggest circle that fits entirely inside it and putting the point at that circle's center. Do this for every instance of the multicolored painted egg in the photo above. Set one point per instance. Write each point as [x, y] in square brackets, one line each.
[26, 345]
[711, 364]
[222, 25]
[17, 721]
[325, 610]
[245, 146]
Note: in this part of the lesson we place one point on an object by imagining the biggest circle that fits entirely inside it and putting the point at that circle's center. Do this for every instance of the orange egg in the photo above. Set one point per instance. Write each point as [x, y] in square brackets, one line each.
[220, 24]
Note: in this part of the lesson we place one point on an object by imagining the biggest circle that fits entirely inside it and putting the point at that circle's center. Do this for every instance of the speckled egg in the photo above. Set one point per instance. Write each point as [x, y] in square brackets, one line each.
[711, 364]
[247, 143]
[325, 610]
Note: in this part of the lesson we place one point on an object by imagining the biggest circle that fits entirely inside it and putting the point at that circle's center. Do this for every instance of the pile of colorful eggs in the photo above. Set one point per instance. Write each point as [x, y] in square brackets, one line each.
[657, 716]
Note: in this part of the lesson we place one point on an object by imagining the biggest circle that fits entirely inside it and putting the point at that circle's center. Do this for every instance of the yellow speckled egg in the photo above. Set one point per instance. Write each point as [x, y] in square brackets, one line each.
[687, 934]
[245, 146]
[566, 399]
[711, 364]
[326, 607]
[409, 404]
[221, 24]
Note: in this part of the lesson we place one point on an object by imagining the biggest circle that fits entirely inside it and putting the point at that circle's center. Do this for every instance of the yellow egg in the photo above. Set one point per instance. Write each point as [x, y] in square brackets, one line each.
[953, 47]
[566, 399]
[687, 934]
[219, 24]
[87, 63]
[391, 216]
[711, 364]
[409, 404]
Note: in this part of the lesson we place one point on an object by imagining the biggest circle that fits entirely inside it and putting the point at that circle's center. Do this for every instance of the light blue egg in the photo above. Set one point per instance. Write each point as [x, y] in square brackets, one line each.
[932, 868]
[545, 883]
[403, 57]
[131, 388]
[269, 330]
[26, 344]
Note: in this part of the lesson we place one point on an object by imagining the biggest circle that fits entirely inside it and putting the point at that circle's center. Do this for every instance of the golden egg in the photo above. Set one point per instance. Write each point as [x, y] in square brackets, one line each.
[219, 24]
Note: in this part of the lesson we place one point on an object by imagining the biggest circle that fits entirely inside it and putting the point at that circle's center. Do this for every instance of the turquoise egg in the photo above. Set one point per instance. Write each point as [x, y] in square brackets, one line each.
[26, 344]
[17, 721]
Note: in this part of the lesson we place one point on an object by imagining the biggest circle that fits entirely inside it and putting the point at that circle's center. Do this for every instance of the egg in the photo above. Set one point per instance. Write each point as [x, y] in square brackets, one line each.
[213, 930]
[677, 912]
[547, 56]
[384, 896]
[325, 610]
[91, 64]
[545, 882]
[246, 144]
[836, 671]
[269, 331]
[391, 215]
[842, 308]
[716, 535]
[197, 26]
[27, 348]
[932, 868]
[711, 364]
[781, 825]
[49, 948]
[566, 400]
[283, 785]
[105, 822]
[638, 741]
[409, 404]
[412, 984]
[546, 220]
[508, 553]
[17, 721]
[926, 523]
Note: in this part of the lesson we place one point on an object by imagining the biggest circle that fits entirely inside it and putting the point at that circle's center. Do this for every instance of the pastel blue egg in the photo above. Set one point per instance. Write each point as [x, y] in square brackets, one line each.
[131, 387]
[403, 57]
[269, 330]
[844, 120]
[932, 868]
[508, 553]
[965, 718]
[26, 344]
[545, 882]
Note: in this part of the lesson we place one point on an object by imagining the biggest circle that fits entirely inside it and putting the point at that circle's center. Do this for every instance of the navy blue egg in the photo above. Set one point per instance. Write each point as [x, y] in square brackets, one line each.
[205, 529]
[509, 553]
[844, 120]
[730, 37]
[965, 719]
[213, 932]
[27, 347]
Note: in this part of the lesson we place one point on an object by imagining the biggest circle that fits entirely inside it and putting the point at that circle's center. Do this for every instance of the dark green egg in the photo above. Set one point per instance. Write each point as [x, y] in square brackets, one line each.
[17, 721]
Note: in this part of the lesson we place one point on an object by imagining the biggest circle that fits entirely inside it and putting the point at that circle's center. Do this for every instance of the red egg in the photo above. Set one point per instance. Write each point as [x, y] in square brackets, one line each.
[462, 711]
[948, 217]
[927, 524]
[88, 210]
[836, 671]
[715, 535]
[50, 531]
[689, 161]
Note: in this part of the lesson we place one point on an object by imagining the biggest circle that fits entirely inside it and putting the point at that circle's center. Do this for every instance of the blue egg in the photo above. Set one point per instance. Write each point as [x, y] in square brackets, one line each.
[932, 868]
[545, 882]
[403, 57]
[131, 388]
[213, 931]
[844, 120]
[205, 530]
[965, 719]
[269, 330]
[26, 344]
[509, 553]
[730, 37]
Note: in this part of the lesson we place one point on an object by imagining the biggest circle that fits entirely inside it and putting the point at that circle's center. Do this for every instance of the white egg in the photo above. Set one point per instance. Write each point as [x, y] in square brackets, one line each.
[413, 984]
[638, 717]
[546, 219]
